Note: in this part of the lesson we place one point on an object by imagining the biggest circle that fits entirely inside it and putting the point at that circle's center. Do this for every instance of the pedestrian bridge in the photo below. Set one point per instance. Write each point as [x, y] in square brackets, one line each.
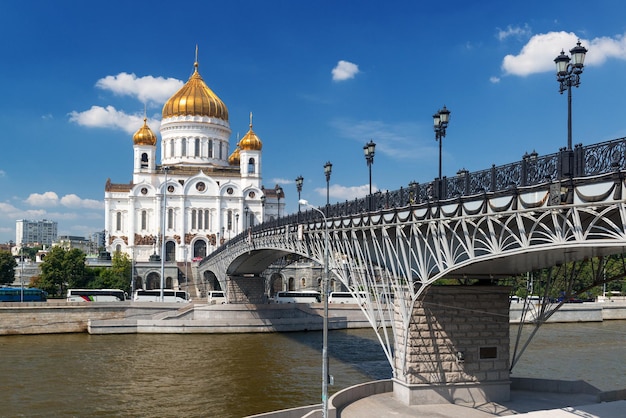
[540, 212]
[498, 222]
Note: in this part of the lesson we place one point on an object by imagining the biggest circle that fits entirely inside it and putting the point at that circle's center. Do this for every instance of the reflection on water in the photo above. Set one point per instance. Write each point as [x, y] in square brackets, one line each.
[178, 375]
[591, 351]
[243, 374]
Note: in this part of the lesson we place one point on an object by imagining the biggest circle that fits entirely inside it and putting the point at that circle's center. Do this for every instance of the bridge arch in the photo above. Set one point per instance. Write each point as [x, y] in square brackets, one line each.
[403, 250]
[496, 222]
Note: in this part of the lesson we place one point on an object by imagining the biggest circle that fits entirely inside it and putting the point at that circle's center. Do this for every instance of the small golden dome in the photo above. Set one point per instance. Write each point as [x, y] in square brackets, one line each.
[145, 136]
[234, 157]
[250, 142]
[195, 98]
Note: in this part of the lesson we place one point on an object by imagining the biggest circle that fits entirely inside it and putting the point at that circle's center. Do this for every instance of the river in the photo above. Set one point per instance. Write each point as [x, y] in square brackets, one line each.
[191, 375]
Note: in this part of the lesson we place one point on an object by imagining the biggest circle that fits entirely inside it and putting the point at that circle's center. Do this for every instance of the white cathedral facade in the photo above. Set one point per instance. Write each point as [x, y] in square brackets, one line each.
[200, 195]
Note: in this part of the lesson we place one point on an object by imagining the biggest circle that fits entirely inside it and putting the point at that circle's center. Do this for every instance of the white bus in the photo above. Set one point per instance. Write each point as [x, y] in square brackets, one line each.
[347, 297]
[96, 295]
[303, 296]
[154, 295]
[216, 297]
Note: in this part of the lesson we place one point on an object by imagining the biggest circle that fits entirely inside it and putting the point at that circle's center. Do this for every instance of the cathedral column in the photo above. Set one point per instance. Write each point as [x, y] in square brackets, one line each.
[131, 221]
[182, 228]
[158, 200]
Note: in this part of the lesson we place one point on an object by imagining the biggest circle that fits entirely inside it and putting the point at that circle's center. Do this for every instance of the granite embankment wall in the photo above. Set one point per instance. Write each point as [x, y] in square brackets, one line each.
[134, 317]
[573, 312]
[63, 317]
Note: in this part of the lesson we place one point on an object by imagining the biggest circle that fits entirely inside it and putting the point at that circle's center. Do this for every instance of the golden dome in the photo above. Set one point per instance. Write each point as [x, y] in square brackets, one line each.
[145, 136]
[250, 142]
[195, 98]
[234, 157]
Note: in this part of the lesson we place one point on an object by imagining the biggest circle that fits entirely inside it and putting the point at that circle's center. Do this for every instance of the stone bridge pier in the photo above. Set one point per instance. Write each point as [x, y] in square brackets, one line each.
[246, 289]
[457, 347]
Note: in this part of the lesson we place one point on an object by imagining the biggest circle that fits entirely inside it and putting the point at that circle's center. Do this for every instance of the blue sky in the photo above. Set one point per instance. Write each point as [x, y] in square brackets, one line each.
[322, 78]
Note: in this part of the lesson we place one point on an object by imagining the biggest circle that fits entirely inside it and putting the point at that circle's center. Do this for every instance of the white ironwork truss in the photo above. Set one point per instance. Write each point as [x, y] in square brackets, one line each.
[396, 254]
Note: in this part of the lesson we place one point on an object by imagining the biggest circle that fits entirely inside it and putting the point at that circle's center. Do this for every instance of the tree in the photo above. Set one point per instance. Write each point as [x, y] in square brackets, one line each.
[31, 252]
[116, 277]
[74, 264]
[52, 273]
[7, 267]
[62, 267]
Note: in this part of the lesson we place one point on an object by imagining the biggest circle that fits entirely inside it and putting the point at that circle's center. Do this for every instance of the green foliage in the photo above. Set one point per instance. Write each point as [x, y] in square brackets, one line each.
[7, 267]
[62, 268]
[583, 279]
[31, 252]
[116, 277]
[52, 274]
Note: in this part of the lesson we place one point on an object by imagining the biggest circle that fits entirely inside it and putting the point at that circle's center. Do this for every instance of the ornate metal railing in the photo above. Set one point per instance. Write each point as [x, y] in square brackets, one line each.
[533, 170]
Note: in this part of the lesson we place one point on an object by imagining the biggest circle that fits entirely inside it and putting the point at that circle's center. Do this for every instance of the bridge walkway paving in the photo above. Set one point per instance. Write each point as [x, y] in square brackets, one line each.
[522, 403]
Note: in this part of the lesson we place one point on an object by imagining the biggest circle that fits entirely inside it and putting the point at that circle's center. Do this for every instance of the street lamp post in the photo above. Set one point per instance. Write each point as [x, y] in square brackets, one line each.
[369, 149]
[328, 169]
[132, 270]
[568, 76]
[279, 192]
[237, 223]
[440, 122]
[325, 375]
[164, 224]
[186, 270]
[246, 221]
[299, 181]
[22, 275]
[413, 197]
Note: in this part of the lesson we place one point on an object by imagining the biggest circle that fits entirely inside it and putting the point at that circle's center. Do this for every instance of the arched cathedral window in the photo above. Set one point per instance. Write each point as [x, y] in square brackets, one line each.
[251, 166]
[170, 218]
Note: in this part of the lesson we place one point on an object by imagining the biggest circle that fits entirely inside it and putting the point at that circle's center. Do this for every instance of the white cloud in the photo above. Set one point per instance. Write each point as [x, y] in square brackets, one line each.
[75, 215]
[494, 79]
[73, 201]
[2, 173]
[400, 141]
[47, 199]
[601, 49]
[282, 181]
[148, 89]
[110, 117]
[11, 212]
[7, 208]
[515, 31]
[539, 53]
[342, 193]
[344, 70]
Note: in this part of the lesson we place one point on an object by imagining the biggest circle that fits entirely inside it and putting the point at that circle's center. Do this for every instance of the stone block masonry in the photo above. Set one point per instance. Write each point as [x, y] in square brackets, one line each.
[457, 348]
